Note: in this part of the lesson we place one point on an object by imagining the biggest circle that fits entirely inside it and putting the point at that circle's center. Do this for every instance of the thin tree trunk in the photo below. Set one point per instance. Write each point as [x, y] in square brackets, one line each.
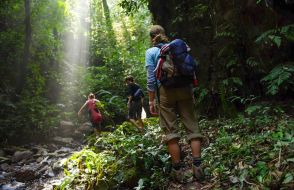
[26, 56]
[110, 31]
[107, 17]
[106, 11]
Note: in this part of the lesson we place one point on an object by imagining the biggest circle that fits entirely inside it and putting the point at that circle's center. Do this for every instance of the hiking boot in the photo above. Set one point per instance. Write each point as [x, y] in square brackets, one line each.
[181, 175]
[198, 173]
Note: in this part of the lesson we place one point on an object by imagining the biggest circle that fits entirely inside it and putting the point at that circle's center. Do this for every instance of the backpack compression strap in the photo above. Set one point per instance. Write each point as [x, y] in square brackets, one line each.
[156, 82]
[163, 50]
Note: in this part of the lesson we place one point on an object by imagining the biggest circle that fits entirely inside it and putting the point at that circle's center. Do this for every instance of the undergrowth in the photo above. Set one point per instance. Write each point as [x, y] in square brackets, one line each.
[123, 159]
[252, 151]
[255, 151]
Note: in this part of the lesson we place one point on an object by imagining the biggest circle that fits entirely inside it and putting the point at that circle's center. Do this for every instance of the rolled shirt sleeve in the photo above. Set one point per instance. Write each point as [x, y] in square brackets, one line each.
[151, 58]
[150, 78]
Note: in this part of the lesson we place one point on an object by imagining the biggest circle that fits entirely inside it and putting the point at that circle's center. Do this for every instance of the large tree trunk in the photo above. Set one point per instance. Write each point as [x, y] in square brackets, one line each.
[26, 56]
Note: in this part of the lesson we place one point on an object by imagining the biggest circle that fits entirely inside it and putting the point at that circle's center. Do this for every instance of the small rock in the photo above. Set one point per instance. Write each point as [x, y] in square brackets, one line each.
[85, 128]
[65, 129]
[5, 167]
[7, 174]
[40, 151]
[21, 155]
[44, 161]
[66, 123]
[52, 147]
[50, 172]
[39, 159]
[63, 150]
[63, 140]
[57, 167]
[42, 170]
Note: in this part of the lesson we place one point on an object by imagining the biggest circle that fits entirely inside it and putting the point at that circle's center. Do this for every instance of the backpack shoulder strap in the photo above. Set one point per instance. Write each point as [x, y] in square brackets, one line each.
[159, 45]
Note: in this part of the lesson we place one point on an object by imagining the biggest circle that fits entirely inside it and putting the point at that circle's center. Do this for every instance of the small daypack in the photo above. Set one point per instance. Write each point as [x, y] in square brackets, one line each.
[138, 94]
[176, 67]
[95, 114]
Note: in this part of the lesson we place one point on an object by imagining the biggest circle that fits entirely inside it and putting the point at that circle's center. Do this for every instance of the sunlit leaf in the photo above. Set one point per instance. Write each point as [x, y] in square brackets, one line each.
[288, 178]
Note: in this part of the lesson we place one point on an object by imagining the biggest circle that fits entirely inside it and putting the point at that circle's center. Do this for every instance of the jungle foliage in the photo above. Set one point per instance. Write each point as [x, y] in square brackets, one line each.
[38, 73]
[30, 56]
[121, 159]
[252, 151]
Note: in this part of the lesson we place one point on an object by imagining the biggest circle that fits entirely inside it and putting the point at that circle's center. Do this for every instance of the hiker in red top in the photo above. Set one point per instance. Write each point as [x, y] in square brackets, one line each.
[94, 113]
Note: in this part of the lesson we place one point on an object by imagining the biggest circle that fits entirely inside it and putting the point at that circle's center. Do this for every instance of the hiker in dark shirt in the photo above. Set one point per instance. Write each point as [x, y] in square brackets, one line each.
[135, 99]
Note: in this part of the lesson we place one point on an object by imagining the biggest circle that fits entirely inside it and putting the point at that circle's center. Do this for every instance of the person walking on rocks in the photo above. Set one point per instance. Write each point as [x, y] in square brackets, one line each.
[94, 113]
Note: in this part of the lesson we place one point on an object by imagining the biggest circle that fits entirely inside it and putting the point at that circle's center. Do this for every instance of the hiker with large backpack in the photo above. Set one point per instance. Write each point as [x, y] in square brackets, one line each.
[170, 80]
[135, 97]
[94, 113]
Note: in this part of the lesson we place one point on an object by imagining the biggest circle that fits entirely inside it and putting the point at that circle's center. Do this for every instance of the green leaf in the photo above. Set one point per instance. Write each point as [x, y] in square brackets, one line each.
[260, 179]
[279, 77]
[231, 63]
[252, 109]
[290, 160]
[234, 179]
[276, 39]
[140, 185]
[288, 178]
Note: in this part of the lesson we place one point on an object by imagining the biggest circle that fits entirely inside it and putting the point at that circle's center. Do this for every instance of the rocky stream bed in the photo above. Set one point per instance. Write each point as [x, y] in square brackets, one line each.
[38, 166]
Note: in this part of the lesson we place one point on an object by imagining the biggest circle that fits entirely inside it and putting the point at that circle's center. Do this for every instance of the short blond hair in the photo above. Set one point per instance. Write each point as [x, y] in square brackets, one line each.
[157, 34]
[91, 96]
[155, 30]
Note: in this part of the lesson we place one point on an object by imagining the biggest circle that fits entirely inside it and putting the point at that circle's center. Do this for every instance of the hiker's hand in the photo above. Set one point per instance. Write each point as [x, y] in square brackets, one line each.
[128, 104]
[152, 108]
[79, 114]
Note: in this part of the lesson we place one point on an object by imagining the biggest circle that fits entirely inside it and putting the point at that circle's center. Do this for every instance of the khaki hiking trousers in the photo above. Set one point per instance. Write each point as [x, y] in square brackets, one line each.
[176, 102]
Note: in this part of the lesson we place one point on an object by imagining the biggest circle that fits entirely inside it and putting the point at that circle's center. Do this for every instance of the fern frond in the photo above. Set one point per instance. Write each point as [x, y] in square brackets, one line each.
[279, 76]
